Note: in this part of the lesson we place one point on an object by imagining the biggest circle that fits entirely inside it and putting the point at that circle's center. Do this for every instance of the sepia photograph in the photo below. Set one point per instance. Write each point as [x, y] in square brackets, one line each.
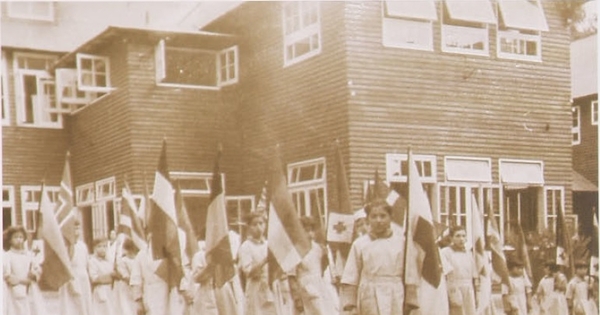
[374, 157]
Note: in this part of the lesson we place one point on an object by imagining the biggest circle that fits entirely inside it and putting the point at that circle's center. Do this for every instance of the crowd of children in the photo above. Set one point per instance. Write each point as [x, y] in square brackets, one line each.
[119, 278]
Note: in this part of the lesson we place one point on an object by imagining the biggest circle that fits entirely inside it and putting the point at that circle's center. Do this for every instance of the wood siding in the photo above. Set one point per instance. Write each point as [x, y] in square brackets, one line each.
[453, 104]
[585, 154]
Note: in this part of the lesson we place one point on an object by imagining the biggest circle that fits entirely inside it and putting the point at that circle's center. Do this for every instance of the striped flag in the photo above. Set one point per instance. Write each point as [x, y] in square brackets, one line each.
[166, 235]
[65, 210]
[56, 265]
[494, 242]
[563, 250]
[287, 241]
[189, 244]
[218, 246]
[129, 222]
[423, 255]
[144, 212]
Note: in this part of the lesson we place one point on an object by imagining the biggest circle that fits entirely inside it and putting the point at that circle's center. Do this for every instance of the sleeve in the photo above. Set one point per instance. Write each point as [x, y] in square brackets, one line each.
[353, 266]
[6, 268]
[93, 270]
[246, 262]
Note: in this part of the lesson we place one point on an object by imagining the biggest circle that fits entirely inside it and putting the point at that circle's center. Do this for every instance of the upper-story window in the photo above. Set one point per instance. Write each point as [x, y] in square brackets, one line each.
[307, 182]
[465, 26]
[408, 24]
[576, 126]
[93, 73]
[4, 93]
[519, 30]
[38, 10]
[301, 31]
[195, 68]
[594, 112]
[35, 91]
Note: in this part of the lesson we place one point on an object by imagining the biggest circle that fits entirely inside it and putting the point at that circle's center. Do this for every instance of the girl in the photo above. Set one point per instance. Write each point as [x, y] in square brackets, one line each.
[253, 262]
[372, 278]
[312, 291]
[204, 301]
[517, 295]
[124, 292]
[76, 295]
[578, 298]
[21, 274]
[462, 278]
[551, 291]
[102, 276]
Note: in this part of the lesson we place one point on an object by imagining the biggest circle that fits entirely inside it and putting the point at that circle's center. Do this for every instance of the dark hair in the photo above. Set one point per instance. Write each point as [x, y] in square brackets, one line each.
[8, 234]
[99, 241]
[308, 223]
[456, 228]
[378, 203]
[514, 263]
[581, 264]
[552, 266]
[129, 245]
[253, 216]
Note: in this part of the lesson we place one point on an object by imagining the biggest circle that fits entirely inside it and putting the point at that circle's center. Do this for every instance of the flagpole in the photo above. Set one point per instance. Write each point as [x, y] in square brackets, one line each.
[406, 228]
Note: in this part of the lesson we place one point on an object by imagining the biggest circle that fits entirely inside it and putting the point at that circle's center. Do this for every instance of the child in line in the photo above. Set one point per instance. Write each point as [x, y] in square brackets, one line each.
[551, 291]
[102, 276]
[517, 297]
[125, 293]
[21, 274]
[75, 297]
[578, 292]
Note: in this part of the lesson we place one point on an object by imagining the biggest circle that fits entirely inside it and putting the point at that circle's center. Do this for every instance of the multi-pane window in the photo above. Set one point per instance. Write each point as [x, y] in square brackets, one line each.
[69, 98]
[576, 126]
[8, 207]
[408, 24]
[227, 62]
[237, 208]
[93, 73]
[465, 26]
[519, 30]
[397, 167]
[30, 204]
[35, 91]
[553, 203]
[301, 31]
[307, 182]
[38, 10]
[594, 113]
[104, 214]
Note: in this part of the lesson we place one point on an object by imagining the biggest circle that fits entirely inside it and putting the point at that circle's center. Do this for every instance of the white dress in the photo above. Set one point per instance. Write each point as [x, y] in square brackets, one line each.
[461, 292]
[260, 300]
[314, 291]
[552, 301]
[76, 296]
[517, 294]
[155, 291]
[577, 291]
[124, 296]
[21, 299]
[103, 297]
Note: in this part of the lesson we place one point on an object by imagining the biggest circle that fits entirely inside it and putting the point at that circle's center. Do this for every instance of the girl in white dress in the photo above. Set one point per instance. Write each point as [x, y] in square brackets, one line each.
[21, 274]
[517, 296]
[102, 276]
[578, 292]
[551, 291]
[124, 291]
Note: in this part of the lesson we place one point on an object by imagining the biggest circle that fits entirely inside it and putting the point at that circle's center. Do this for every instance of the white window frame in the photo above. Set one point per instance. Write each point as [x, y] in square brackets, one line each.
[452, 35]
[5, 94]
[467, 159]
[405, 32]
[304, 32]
[85, 194]
[105, 189]
[40, 110]
[394, 169]
[300, 188]
[93, 58]
[238, 200]
[519, 38]
[202, 176]
[551, 210]
[594, 112]
[228, 79]
[66, 80]
[12, 13]
[34, 205]
[10, 203]
[576, 130]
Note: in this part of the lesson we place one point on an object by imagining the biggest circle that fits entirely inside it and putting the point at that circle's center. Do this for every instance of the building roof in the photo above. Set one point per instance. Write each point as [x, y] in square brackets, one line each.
[584, 66]
[190, 39]
[581, 183]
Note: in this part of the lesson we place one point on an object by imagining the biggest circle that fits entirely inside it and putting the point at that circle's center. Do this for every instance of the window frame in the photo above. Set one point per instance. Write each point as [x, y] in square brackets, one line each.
[236, 68]
[99, 186]
[389, 23]
[447, 29]
[551, 213]
[10, 203]
[238, 199]
[303, 33]
[34, 206]
[89, 189]
[304, 188]
[594, 112]
[205, 176]
[80, 57]
[5, 93]
[391, 159]
[449, 158]
[518, 35]
[576, 130]
[29, 16]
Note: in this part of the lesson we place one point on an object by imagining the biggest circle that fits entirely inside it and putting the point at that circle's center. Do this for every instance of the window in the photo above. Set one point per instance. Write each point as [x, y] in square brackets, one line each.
[237, 208]
[30, 204]
[105, 189]
[301, 31]
[307, 182]
[576, 126]
[594, 111]
[465, 26]
[408, 24]
[195, 68]
[8, 207]
[397, 167]
[554, 201]
[519, 30]
[40, 11]
[93, 73]
[4, 92]
[521, 173]
[84, 194]
[467, 169]
[35, 91]
[69, 98]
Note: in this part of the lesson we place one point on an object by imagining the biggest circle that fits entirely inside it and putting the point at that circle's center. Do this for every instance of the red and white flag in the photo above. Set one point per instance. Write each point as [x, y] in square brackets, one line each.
[218, 245]
[56, 265]
[340, 223]
[130, 223]
[287, 241]
[65, 211]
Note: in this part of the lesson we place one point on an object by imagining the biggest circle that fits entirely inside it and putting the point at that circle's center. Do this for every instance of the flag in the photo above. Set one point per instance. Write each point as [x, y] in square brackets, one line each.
[478, 238]
[381, 190]
[218, 245]
[287, 241]
[56, 265]
[129, 222]
[65, 210]
[593, 247]
[144, 212]
[340, 223]
[522, 251]
[423, 265]
[166, 235]
[494, 242]
[563, 250]
[189, 244]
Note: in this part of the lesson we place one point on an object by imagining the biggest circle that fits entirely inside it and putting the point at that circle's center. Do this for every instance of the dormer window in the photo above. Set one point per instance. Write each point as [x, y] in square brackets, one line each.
[519, 30]
[195, 68]
[465, 26]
